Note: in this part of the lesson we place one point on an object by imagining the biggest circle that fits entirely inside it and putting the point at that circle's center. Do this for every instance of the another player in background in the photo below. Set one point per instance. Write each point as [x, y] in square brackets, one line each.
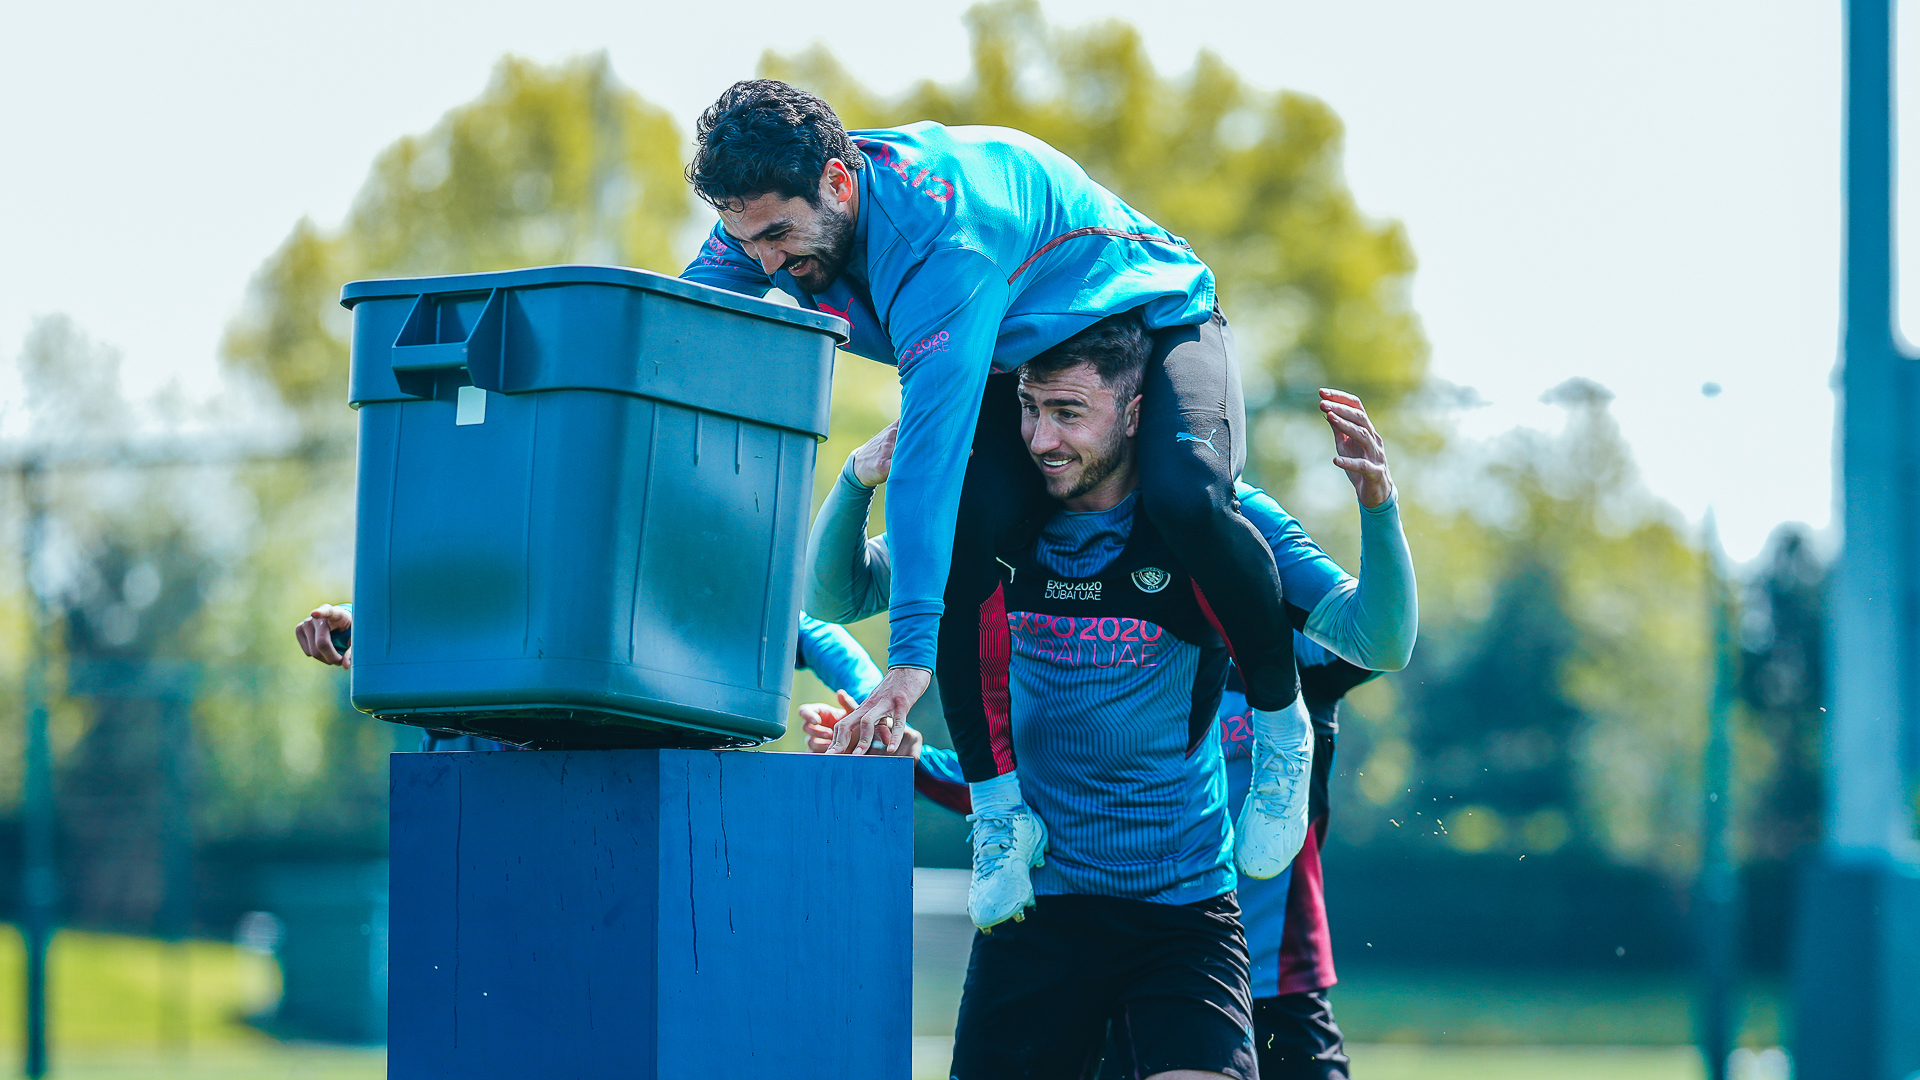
[326, 634]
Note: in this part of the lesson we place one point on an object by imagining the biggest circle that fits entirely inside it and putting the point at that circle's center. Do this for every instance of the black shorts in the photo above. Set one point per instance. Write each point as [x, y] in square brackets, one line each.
[1294, 1038]
[1297, 1039]
[1171, 979]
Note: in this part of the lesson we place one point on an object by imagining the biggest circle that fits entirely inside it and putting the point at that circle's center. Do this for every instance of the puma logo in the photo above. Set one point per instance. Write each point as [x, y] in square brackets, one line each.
[1207, 442]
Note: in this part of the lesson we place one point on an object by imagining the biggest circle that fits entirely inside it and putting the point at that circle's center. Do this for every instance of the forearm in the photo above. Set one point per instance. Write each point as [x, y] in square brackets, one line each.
[848, 576]
[1373, 621]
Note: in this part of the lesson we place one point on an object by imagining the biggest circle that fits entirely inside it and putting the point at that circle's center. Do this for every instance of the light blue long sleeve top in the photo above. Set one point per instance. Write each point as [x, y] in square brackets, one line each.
[975, 249]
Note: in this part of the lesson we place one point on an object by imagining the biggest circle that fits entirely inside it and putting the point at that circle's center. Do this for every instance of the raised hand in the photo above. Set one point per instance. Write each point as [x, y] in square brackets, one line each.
[1357, 447]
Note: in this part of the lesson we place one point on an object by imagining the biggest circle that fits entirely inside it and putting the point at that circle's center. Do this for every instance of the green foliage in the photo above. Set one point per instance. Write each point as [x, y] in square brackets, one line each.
[1558, 697]
[1782, 683]
[547, 166]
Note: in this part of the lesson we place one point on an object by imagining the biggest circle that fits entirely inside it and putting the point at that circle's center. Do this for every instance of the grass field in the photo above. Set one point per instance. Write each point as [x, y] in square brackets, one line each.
[111, 1019]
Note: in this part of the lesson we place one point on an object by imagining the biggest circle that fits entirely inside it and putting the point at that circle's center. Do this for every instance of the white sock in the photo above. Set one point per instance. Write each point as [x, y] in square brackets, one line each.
[1000, 793]
[1283, 729]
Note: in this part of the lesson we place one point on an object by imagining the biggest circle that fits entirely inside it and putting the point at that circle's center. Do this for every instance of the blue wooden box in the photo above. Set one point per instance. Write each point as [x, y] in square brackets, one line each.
[650, 914]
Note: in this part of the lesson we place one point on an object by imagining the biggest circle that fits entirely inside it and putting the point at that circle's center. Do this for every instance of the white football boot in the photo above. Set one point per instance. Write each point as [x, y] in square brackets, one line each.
[1008, 841]
[1273, 823]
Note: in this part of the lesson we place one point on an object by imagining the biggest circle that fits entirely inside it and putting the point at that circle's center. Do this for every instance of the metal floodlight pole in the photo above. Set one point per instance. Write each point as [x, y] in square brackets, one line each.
[40, 880]
[1857, 947]
[1717, 895]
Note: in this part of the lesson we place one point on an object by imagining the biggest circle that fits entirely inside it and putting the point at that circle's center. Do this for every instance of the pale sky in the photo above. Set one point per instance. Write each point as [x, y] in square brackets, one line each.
[1646, 194]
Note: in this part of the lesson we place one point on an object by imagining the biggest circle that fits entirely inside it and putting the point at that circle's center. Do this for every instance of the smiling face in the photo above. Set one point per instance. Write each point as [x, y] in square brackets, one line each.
[811, 242]
[1080, 435]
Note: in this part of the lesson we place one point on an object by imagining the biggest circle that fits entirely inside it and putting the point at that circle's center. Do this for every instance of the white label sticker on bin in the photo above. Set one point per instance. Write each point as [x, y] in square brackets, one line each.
[471, 406]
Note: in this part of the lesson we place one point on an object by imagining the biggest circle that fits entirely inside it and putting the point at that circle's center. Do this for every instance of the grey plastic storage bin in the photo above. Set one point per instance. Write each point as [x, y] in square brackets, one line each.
[583, 498]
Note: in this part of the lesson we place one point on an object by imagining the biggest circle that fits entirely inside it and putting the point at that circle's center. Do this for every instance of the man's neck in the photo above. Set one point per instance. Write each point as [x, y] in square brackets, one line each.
[1111, 493]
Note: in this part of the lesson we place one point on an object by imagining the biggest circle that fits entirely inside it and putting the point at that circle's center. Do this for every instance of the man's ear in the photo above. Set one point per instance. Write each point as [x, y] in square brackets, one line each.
[1133, 416]
[837, 182]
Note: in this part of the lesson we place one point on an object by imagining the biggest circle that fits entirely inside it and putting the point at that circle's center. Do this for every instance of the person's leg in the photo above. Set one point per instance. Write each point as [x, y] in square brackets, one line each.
[1184, 1000]
[1306, 945]
[998, 501]
[1192, 448]
[1036, 1001]
[1297, 1038]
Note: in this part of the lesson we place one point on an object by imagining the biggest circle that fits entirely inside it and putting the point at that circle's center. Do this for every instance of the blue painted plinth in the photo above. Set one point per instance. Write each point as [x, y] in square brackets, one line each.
[650, 914]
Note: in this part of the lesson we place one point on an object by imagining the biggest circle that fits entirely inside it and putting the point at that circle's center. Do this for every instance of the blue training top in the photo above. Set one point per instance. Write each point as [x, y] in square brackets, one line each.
[975, 249]
[1102, 671]
[1325, 679]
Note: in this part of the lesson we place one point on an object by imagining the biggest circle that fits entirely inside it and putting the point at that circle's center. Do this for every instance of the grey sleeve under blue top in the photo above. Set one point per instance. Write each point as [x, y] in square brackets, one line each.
[848, 577]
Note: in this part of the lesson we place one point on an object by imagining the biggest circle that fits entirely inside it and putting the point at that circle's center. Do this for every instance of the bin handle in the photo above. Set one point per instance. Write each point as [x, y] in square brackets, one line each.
[416, 354]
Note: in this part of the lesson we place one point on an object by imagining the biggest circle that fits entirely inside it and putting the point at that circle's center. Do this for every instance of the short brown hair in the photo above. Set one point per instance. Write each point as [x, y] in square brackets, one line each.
[1117, 347]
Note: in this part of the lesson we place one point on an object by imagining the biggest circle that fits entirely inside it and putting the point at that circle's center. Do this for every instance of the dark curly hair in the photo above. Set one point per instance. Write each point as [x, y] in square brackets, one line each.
[1117, 347]
[763, 136]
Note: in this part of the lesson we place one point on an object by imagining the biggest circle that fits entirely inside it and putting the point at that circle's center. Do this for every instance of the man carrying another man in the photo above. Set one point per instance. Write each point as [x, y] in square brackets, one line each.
[958, 254]
[1107, 674]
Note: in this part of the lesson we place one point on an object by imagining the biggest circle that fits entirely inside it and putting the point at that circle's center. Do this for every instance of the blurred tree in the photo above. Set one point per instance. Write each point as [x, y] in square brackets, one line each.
[548, 165]
[121, 565]
[1558, 697]
[1783, 683]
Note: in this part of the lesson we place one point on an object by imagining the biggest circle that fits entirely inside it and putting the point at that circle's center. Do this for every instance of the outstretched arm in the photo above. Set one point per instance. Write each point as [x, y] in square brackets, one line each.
[944, 329]
[1371, 621]
[1375, 622]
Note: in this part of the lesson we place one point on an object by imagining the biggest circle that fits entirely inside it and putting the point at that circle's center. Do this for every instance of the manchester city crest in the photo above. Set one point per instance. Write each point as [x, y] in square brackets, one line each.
[1151, 579]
